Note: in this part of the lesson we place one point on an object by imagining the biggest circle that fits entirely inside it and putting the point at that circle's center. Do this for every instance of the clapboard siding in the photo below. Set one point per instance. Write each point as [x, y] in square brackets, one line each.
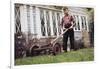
[30, 19]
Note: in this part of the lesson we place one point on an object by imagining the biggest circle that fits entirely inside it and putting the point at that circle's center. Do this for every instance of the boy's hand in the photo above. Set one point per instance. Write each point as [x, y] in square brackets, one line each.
[71, 27]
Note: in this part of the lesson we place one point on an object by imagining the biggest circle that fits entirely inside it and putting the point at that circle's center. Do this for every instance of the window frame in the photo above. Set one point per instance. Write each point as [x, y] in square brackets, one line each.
[17, 19]
[47, 17]
[42, 16]
[54, 27]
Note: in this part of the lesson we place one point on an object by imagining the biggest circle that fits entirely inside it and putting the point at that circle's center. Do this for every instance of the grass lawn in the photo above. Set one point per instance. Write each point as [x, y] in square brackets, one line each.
[86, 54]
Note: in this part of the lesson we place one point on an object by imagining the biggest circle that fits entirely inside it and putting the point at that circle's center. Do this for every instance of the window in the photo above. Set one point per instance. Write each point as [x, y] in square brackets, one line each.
[17, 19]
[75, 22]
[58, 21]
[82, 21]
[42, 22]
[78, 24]
[85, 23]
[54, 23]
[48, 23]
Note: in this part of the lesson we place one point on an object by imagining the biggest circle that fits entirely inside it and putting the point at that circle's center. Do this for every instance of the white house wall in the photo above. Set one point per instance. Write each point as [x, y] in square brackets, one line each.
[31, 20]
[23, 18]
[35, 22]
[51, 23]
[38, 23]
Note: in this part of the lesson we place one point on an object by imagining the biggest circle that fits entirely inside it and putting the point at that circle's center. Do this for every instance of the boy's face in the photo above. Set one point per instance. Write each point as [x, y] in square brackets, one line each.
[66, 12]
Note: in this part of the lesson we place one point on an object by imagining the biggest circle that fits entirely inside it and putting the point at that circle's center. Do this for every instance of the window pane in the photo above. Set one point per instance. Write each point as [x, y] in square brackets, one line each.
[82, 21]
[85, 23]
[58, 19]
[54, 23]
[75, 22]
[48, 23]
[78, 24]
[42, 22]
[17, 19]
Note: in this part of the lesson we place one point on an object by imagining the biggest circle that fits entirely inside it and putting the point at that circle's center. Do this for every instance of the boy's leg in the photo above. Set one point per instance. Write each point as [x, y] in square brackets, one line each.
[65, 39]
[72, 38]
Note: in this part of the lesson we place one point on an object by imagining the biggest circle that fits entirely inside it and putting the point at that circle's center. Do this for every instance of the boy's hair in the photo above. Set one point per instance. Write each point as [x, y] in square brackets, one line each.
[65, 8]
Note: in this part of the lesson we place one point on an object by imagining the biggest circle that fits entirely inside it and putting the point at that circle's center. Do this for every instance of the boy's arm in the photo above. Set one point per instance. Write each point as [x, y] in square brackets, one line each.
[73, 22]
[62, 24]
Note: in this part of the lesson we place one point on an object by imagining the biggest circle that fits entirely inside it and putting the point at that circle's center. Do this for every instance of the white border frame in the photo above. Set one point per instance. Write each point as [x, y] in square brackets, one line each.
[59, 3]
